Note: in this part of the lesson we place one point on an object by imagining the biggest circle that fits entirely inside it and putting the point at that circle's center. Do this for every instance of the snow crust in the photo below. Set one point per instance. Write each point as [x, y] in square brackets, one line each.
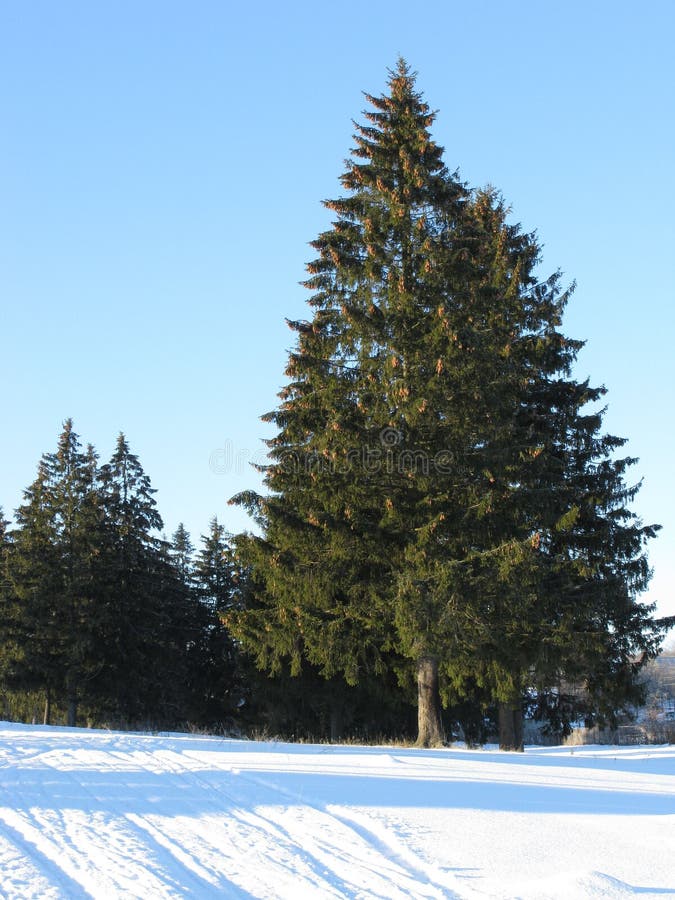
[87, 813]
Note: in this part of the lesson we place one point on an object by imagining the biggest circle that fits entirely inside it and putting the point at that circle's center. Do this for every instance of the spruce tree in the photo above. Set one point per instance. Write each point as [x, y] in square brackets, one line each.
[559, 599]
[150, 630]
[218, 587]
[8, 609]
[176, 656]
[359, 424]
[55, 571]
[203, 649]
[182, 550]
[135, 571]
[435, 487]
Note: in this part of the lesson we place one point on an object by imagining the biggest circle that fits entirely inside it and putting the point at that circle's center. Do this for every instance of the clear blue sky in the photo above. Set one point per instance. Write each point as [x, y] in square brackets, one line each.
[161, 171]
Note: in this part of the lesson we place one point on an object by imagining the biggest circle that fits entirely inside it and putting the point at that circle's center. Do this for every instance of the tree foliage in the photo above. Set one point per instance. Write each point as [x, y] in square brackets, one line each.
[439, 496]
[98, 612]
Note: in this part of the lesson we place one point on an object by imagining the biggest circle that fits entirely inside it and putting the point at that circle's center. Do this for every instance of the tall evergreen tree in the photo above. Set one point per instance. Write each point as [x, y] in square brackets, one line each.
[552, 603]
[219, 590]
[96, 608]
[426, 480]
[366, 415]
[156, 624]
[134, 567]
[182, 550]
[214, 568]
[55, 572]
[8, 609]
[177, 655]
[330, 531]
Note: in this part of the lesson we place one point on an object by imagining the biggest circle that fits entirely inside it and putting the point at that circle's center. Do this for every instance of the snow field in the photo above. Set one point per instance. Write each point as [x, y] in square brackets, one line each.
[107, 815]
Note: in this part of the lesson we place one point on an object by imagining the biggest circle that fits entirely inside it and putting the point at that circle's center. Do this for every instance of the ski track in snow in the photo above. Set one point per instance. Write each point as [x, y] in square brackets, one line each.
[107, 815]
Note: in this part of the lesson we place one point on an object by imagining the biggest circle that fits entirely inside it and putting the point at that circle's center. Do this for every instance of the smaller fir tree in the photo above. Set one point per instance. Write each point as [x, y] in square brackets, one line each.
[55, 566]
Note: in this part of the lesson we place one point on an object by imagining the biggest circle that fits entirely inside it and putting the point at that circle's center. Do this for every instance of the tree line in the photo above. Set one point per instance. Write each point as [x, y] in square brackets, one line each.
[446, 538]
[101, 614]
[105, 622]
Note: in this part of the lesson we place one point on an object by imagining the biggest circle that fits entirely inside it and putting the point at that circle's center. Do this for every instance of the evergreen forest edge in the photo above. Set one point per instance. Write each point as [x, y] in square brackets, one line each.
[446, 541]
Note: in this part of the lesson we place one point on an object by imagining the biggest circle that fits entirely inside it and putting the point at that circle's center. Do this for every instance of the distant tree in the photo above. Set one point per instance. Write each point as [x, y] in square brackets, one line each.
[6, 590]
[98, 612]
[135, 570]
[55, 571]
[175, 655]
[659, 683]
[215, 569]
[8, 609]
[182, 552]
[218, 587]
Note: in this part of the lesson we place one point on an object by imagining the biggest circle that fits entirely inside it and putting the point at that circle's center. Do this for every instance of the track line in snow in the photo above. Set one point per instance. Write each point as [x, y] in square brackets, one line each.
[166, 817]
[319, 858]
[389, 844]
[191, 878]
[41, 852]
[315, 841]
[415, 871]
[262, 831]
[114, 843]
[173, 872]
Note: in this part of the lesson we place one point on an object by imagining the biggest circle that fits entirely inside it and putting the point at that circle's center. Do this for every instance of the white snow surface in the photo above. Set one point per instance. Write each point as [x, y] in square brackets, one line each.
[101, 814]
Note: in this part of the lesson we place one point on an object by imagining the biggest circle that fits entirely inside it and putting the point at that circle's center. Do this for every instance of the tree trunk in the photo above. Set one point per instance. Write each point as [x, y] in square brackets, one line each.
[511, 725]
[429, 726]
[72, 712]
[48, 708]
[336, 720]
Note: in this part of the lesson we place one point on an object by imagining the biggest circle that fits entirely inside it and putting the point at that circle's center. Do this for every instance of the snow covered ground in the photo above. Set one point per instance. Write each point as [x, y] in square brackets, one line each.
[111, 815]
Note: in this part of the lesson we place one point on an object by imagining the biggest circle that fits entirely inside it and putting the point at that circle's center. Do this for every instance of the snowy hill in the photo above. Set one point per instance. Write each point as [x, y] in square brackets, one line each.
[111, 815]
